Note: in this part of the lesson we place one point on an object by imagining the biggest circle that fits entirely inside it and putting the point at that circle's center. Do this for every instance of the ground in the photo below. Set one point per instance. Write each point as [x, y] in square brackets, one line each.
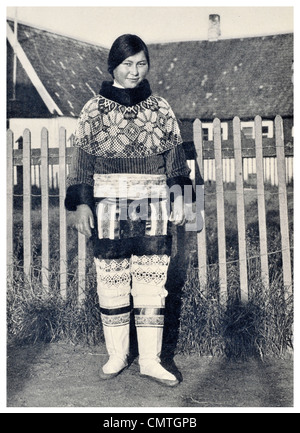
[65, 375]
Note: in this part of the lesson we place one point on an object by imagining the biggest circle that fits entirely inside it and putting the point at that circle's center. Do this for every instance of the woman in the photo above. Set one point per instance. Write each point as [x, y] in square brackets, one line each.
[128, 152]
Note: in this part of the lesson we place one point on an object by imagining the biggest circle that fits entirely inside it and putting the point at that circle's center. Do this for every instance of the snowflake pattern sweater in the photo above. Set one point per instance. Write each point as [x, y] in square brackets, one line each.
[125, 131]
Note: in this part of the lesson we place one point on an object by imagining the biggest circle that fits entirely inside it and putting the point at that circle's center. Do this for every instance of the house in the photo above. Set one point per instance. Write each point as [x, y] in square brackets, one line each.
[51, 76]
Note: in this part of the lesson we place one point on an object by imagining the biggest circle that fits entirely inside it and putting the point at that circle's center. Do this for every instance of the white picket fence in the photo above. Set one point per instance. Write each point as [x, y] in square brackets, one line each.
[209, 170]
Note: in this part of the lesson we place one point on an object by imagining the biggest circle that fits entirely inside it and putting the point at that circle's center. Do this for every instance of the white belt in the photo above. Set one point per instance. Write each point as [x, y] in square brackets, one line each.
[130, 186]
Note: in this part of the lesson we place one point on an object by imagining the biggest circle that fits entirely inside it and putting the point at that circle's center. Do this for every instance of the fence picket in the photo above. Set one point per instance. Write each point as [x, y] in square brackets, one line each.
[45, 207]
[62, 213]
[27, 247]
[283, 205]
[81, 266]
[262, 226]
[201, 236]
[220, 209]
[240, 204]
[10, 202]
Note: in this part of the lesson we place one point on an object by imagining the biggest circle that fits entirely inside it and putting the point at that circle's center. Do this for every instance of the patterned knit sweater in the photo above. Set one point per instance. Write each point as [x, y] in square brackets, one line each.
[125, 131]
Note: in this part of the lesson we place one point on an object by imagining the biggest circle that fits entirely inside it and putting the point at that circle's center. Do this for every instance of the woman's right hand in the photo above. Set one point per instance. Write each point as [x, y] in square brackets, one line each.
[84, 220]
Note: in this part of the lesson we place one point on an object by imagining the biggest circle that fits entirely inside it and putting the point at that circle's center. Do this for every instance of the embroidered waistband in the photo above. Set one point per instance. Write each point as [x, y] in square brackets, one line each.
[130, 186]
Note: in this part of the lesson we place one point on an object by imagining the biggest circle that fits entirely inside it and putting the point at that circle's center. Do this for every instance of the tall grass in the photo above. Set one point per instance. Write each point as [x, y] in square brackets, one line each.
[261, 327]
[35, 314]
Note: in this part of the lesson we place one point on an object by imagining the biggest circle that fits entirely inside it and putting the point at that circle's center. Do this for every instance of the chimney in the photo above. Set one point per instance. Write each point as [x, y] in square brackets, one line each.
[214, 30]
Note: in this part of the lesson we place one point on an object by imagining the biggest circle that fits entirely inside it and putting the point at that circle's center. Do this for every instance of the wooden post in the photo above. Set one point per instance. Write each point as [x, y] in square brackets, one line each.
[62, 212]
[261, 203]
[283, 206]
[27, 247]
[220, 210]
[201, 236]
[15, 58]
[20, 167]
[240, 204]
[81, 267]
[45, 207]
[10, 203]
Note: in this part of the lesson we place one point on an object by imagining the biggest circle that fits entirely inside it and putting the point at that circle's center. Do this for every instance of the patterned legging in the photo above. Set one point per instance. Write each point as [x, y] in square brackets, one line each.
[129, 259]
[142, 277]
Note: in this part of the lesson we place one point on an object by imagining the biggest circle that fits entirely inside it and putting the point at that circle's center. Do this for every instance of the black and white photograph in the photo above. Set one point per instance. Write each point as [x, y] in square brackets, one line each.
[149, 211]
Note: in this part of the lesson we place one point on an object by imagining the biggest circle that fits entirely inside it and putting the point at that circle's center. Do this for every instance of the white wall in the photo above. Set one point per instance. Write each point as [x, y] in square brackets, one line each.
[35, 126]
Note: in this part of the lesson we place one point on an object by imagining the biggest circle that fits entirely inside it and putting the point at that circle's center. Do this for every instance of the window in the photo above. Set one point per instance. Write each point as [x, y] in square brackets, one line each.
[267, 128]
[208, 131]
[205, 134]
[248, 129]
[224, 130]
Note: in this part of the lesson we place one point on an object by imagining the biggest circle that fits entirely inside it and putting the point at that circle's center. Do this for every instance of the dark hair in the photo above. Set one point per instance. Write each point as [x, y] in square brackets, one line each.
[125, 46]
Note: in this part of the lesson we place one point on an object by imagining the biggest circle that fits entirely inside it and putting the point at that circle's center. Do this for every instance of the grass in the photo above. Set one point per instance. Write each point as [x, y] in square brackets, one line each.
[196, 321]
[35, 314]
[261, 327]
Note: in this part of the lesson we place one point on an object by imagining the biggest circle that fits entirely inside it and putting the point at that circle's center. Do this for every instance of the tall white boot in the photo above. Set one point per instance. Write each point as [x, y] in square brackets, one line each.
[149, 274]
[149, 343]
[117, 346]
[113, 286]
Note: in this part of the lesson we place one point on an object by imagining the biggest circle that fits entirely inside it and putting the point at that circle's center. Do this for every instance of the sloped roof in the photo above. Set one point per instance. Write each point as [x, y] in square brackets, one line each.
[243, 77]
[230, 77]
[71, 70]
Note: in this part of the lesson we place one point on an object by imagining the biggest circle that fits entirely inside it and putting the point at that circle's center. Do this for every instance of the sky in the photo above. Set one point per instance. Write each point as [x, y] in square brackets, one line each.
[168, 22]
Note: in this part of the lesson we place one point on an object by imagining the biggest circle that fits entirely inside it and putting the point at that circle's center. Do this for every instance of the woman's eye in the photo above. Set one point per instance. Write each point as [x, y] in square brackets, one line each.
[139, 64]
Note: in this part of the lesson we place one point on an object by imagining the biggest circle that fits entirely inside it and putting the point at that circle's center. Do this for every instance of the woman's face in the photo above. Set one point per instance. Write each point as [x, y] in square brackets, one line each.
[131, 71]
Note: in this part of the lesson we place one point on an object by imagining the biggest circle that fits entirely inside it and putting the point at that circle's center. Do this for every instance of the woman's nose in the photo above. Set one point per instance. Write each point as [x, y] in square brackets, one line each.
[134, 69]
